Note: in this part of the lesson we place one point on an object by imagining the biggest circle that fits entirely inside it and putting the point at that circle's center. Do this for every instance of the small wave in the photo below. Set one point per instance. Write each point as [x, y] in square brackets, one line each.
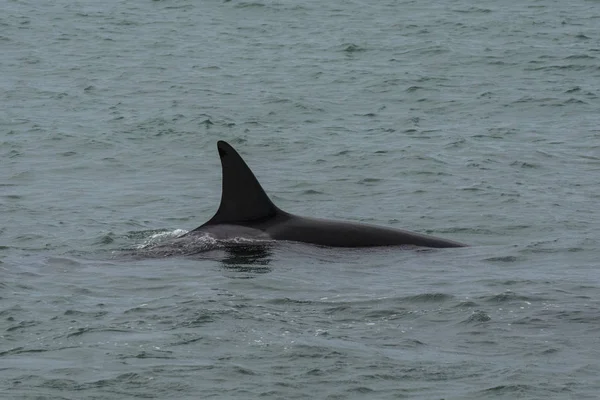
[476, 317]
[508, 296]
[353, 48]
[311, 191]
[506, 259]
[429, 298]
[249, 5]
[510, 390]
[20, 350]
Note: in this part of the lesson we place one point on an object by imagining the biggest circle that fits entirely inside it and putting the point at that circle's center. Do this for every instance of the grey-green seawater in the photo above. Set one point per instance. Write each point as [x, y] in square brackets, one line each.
[478, 122]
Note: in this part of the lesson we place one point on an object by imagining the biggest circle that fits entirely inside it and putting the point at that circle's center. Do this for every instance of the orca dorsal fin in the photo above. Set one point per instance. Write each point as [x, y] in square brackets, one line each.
[242, 198]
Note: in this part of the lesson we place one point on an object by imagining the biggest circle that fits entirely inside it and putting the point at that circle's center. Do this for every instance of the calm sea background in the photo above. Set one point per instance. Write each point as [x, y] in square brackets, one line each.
[474, 121]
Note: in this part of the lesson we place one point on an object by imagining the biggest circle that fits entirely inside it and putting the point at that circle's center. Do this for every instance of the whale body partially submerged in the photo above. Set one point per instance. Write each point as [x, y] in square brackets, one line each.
[247, 212]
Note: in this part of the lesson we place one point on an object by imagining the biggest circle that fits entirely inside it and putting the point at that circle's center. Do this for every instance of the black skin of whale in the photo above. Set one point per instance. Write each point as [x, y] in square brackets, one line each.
[247, 212]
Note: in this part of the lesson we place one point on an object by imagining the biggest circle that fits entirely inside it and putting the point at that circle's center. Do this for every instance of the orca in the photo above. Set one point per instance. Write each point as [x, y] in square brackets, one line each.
[247, 212]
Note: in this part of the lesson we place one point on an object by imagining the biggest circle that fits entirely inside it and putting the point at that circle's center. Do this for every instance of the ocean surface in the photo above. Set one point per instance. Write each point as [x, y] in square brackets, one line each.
[473, 121]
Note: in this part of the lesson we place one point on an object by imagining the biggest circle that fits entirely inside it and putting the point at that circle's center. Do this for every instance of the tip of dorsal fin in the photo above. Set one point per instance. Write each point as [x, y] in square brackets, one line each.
[242, 198]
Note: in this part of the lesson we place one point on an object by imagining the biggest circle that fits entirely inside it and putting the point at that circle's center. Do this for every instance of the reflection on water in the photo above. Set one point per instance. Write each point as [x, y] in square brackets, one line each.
[247, 258]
